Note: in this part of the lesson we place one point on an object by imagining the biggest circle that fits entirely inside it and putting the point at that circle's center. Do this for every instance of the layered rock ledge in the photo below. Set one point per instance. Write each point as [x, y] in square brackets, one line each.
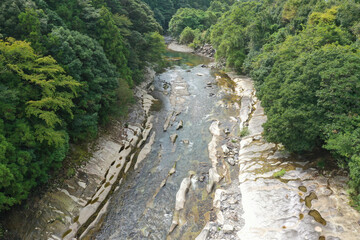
[277, 196]
[74, 210]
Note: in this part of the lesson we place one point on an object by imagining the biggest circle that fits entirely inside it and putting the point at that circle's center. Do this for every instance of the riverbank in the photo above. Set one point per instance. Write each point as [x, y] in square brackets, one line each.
[282, 196]
[76, 207]
[273, 194]
[205, 51]
[174, 46]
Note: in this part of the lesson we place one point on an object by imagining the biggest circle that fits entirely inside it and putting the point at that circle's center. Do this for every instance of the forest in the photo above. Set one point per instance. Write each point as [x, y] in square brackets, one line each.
[68, 66]
[65, 68]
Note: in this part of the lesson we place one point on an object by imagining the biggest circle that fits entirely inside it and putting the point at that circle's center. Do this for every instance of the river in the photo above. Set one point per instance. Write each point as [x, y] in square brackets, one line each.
[142, 208]
[199, 168]
[263, 192]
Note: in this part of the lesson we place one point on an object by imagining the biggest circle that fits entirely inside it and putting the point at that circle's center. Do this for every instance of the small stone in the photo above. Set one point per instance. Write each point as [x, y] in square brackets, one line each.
[173, 138]
[231, 161]
[146, 233]
[186, 141]
[318, 229]
[233, 201]
[257, 138]
[211, 94]
[201, 178]
[180, 125]
[225, 149]
[228, 228]
[227, 131]
[172, 171]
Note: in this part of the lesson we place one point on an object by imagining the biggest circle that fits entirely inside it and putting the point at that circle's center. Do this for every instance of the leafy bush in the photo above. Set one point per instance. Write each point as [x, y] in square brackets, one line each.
[192, 18]
[244, 132]
[36, 96]
[279, 174]
[187, 36]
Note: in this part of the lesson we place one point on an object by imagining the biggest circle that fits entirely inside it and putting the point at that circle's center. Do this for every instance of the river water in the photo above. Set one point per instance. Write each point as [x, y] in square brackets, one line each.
[207, 130]
[142, 208]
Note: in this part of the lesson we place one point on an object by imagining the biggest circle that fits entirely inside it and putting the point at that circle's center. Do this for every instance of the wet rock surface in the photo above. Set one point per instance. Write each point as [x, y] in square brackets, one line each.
[299, 204]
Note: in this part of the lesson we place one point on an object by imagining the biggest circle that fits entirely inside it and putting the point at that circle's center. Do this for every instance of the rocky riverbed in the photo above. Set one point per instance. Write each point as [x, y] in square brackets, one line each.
[276, 195]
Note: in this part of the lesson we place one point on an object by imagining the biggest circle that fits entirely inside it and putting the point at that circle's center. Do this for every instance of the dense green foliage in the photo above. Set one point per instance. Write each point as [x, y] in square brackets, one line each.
[71, 68]
[165, 9]
[36, 97]
[193, 18]
[187, 36]
[191, 25]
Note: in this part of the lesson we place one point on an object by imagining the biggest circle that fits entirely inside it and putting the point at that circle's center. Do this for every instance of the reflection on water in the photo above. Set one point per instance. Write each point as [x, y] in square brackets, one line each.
[185, 60]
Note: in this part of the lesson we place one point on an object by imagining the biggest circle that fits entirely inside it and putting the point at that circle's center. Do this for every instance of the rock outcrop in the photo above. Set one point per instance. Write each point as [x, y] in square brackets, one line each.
[299, 204]
[206, 50]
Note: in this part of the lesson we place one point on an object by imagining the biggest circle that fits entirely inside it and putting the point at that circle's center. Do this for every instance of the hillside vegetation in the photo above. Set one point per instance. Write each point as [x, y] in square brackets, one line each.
[68, 66]
[304, 57]
[65, 68]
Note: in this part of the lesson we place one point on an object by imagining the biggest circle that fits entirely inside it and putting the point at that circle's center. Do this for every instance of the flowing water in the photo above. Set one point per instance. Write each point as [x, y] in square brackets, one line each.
[207, 128]
[142, 208]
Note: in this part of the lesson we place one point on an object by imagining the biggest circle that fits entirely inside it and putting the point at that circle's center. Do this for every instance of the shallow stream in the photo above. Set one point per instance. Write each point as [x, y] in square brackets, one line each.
[142, 208]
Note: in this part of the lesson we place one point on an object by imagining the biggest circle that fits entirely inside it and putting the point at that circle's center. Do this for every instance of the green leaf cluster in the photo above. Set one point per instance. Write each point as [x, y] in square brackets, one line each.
[165, 9]
[71, 68]
[36, 96]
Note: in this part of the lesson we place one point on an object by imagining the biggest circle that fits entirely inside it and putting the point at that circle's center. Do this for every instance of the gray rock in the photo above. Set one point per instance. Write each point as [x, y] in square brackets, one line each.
[180, 125]
[231, 161]
[173, 137]
[225, 149]
[228, 228]
[167, 121]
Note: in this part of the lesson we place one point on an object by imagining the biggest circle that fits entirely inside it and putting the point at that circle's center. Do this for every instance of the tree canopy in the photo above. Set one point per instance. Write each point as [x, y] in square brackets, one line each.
[71, 68]
[36, 96]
